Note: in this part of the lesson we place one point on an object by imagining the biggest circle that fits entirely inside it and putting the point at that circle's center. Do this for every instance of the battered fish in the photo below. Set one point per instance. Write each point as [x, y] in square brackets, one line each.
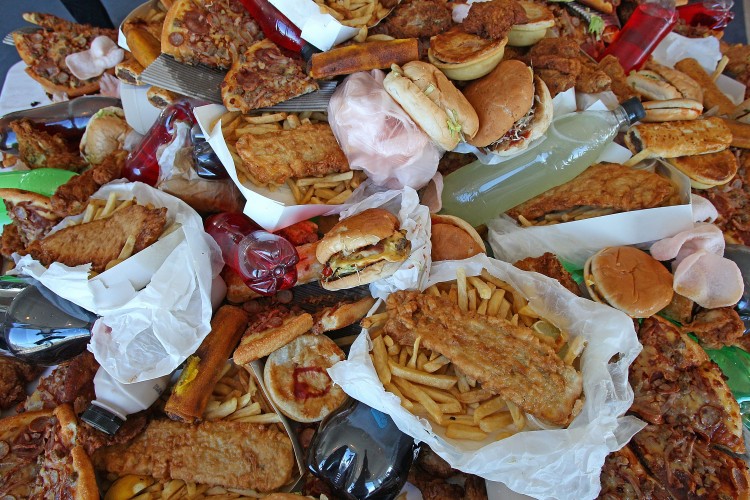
[604, 185]
[228, 454]
[100, 241]
[274, 157]
[508, 360]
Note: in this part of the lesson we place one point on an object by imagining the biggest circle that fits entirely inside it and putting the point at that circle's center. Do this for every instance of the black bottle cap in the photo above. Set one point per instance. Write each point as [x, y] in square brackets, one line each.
[308, 50]
[102, 419]
[634, 109]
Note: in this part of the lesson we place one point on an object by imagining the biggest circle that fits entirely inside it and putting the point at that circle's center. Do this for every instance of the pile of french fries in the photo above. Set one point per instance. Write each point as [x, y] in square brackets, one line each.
[579, 213]
[101, 209]
[331, 189]
[236, 397]
[430, 386]
[355, 13]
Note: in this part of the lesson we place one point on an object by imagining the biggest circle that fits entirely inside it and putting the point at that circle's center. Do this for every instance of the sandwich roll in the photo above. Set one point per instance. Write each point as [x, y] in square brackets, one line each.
[363, 57]
[672, 110]
[740, 133]
[679, 138]
[706, 171]
[143, 45]
[651, 86]
[689, 88]
[433, 102]
[712, 96]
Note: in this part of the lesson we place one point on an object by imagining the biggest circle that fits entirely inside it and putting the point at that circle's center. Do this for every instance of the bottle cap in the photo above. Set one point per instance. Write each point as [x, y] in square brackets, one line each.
[634, 110]
[102, 419]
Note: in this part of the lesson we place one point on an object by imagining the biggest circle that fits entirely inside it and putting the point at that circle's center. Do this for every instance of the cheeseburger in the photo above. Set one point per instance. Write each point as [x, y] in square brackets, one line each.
[361, 249]
[514, 108]
[628, 279]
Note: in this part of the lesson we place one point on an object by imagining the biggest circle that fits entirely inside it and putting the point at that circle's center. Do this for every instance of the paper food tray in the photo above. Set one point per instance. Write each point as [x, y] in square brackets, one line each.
[139, 11]
[273, 210]
[577, 240]
[320, 29]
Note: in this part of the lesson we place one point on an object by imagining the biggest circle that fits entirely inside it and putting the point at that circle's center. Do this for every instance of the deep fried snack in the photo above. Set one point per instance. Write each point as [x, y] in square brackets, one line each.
[494, 19]
[71, 382]
[716, 328]
[100, 241]
[363, 57]
[416, 19]
[261, 340]
[549, 265]
[14, 375]
[232, 454]
[203, 369]
[611, 66]
[11, 242]
[40, 149]
[72, 197]
[534, 377]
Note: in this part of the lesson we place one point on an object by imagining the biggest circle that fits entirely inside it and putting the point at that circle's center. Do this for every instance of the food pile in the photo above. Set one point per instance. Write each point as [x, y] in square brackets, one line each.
[475, 360]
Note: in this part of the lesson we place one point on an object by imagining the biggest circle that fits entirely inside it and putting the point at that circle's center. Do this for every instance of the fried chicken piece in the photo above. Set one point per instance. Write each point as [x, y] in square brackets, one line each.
[11, 241]
[39, 149]
[416, 19]
[611, 66]
[716, 328]
[494, 19]
[72, 197]
[604, 185]
[557, 62]
[14, 375]
[224, 453]
[71, 382]
[100, 241]
[549, 265]
[429, 473]
[433, 464]
[591, 79]
[506, 359]
[556, 81]
[564, 46]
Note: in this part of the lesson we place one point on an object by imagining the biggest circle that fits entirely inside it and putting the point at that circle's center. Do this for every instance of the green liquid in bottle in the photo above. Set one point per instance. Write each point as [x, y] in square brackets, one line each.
[480, 192]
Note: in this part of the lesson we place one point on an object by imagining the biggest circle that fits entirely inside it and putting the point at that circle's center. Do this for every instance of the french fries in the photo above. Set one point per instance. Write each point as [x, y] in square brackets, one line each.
[438, 390]
[332, 189]
[355, 13]
[237, 397]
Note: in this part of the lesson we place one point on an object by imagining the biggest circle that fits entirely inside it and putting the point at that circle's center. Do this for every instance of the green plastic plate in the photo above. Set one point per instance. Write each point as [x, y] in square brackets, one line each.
[41, 180]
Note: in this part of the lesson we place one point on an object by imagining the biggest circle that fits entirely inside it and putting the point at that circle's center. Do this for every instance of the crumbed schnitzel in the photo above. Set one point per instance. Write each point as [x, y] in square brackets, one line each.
[224, 453]
[605, 185]
[101, 241]
[508, 360]
[274, 157]
[72, 197]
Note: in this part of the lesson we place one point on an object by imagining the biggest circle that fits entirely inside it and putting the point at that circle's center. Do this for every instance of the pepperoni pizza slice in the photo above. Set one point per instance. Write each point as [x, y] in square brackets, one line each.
[623, 476]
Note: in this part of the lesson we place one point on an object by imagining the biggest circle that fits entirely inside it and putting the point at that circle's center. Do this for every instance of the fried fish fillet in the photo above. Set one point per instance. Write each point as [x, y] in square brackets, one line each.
[508, 360]
[230, 454]
[604, 185]
[72, 197]
[100, 241]
[274, 157]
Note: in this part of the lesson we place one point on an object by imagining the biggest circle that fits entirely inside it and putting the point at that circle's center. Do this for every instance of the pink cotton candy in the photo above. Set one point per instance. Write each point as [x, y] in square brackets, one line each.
[709, 279]
[703, 210]
[703, 237]
[377, 136]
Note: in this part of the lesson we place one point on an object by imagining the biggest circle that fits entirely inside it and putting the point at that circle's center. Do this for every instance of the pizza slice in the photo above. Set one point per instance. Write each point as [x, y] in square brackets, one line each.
[688, 466]
[44, 52]
[31, 213]
[261, 77]
[623, 477]
[21, 443]
[210, 32]
[675, 382]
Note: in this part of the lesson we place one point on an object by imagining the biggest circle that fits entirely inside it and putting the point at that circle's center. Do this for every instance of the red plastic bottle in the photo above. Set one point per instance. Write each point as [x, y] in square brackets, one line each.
[142, 164]
[711, 14]
[265, 261]
[648, 26]
[278, 28]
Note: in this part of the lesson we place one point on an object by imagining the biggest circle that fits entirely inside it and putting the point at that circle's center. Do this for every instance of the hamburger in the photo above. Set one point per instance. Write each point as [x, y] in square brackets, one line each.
[433, 102]
[709, 170]
[106, 132]
[514, 108]
[672, 110]
[454, 239]
[628, 279]
[361, 249]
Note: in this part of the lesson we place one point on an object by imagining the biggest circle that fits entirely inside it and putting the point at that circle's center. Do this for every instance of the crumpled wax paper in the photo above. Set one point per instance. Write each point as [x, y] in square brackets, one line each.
[415, 219]
[155, 307]
[544, 463]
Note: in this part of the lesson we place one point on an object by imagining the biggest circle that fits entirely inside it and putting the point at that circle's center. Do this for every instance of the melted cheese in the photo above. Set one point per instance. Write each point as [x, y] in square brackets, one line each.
[391, 249]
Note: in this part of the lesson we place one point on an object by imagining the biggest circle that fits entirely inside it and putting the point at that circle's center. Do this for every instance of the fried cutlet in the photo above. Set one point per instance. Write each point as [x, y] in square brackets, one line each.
[549, 265]
[604, 185]
[274, 157]
[39, 149]
[14, 375]
[72, 197]
[416, 19]
[100, 241]
[508, 360]
[231, 454]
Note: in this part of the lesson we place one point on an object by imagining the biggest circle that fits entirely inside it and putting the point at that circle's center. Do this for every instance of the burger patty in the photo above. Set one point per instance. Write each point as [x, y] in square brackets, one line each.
[394, 248]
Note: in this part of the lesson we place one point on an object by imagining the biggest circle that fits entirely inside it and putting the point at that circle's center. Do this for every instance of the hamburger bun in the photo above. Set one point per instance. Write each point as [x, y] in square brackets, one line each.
[433, 102]
[454, 239]
[356, 233]
[297, 380]
[651, 86]
[500, 99]
[705, 171]
[628, 279]
[672, 110]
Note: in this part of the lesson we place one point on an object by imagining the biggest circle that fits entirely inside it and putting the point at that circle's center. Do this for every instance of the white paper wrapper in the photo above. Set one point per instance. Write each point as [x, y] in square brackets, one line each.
[321, 30]
[415, 219]
[155, 307]
[576, 241]
[558, 463]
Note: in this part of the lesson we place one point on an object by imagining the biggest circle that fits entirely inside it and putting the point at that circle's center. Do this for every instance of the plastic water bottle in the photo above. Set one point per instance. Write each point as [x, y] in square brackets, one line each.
[573, 142]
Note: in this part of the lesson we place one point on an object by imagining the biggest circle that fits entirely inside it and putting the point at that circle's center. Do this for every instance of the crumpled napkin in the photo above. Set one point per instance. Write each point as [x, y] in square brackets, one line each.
[102, 55]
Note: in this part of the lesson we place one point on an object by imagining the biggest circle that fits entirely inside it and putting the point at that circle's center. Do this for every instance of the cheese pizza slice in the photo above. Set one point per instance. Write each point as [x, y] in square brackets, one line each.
[623, 476]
